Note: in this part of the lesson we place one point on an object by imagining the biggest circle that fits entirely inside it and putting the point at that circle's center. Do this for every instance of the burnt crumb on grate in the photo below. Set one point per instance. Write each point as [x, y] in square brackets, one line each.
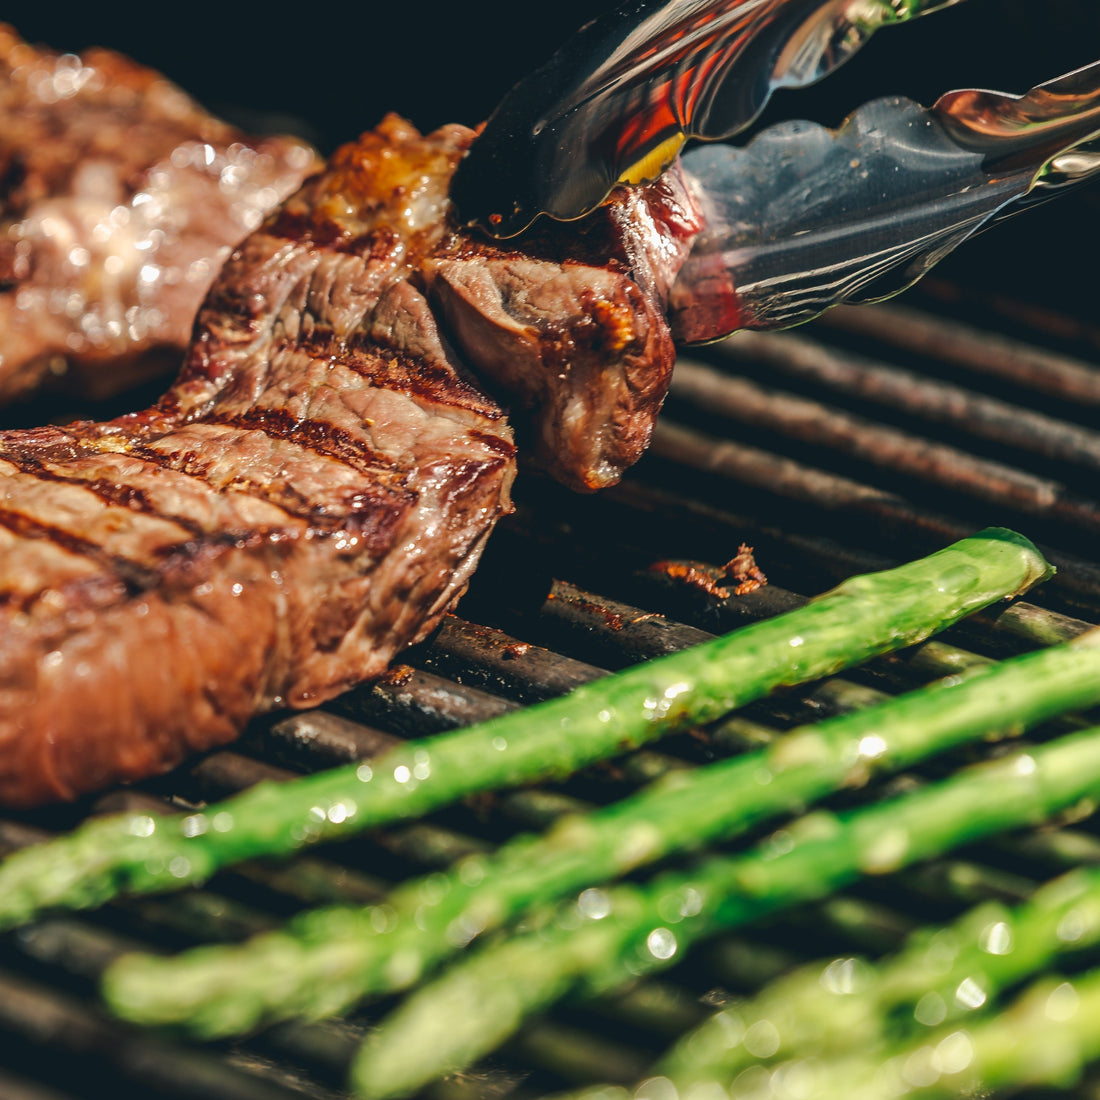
[738, 577]
[743, 571]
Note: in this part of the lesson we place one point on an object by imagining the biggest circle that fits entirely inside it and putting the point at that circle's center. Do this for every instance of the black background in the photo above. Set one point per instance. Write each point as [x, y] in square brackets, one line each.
[338, 67]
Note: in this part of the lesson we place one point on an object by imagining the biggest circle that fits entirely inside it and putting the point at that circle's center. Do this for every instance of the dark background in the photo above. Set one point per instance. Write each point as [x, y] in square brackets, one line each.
[338, 67]
[332, 70]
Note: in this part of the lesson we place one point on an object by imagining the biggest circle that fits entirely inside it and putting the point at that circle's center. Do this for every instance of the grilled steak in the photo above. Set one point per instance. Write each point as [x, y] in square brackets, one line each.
[314, 491]
[119, 199]
[583, 352]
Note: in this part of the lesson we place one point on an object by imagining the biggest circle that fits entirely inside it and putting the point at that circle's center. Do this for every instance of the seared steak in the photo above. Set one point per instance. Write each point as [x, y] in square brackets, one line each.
[119, 199]
[582, 351]
[314, 491]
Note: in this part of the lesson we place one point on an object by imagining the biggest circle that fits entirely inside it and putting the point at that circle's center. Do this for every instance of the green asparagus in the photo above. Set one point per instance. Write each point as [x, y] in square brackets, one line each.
[1045, 1037]
[942, 975]
[607, 937]
[330, 958]
[864, 616]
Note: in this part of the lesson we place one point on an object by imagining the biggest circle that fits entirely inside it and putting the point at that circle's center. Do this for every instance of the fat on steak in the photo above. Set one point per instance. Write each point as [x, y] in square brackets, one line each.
[314, 491]
[119, 199]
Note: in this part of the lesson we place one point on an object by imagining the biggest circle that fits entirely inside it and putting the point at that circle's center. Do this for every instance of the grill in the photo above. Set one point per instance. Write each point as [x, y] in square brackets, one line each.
[871, 437]
[865, 439]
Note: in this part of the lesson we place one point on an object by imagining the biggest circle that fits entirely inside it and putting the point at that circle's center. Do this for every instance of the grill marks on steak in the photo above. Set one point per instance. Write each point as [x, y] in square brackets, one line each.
[119, 199]
[297, 508]
[314, 491]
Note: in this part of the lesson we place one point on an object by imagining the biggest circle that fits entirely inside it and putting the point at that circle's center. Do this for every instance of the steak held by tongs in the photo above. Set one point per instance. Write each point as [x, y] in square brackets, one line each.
[314, 491]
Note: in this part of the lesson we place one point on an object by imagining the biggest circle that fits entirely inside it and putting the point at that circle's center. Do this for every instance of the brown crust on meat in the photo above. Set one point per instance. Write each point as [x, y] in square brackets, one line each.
[302, 504]
[569, 325]
[314, 492]
[119, 198]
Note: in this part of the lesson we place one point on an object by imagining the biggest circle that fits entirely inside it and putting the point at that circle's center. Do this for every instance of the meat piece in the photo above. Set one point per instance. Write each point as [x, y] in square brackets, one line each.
[584, 350]
[119, 199]
[309, 497]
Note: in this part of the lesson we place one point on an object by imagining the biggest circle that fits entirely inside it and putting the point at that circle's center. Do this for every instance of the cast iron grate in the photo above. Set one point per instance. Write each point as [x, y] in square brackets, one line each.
[870, 438]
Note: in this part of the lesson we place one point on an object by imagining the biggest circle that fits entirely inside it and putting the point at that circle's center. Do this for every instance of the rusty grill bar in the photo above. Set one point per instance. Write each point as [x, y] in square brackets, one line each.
[873, 436]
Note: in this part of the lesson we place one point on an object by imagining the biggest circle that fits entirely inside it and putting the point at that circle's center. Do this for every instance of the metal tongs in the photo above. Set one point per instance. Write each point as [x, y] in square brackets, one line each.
[802, 218]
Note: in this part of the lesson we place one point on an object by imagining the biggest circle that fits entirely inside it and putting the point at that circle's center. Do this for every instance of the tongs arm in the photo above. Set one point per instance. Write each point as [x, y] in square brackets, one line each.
[803, 218]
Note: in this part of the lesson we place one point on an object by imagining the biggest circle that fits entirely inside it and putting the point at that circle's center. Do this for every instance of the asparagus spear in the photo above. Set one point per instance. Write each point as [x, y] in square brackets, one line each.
[330, 958]
[942, 975]
[864, 616]
[606, 938]
[1045, 1037]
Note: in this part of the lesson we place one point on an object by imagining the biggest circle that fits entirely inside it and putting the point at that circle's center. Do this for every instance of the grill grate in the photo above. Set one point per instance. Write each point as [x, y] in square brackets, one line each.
[875, 436]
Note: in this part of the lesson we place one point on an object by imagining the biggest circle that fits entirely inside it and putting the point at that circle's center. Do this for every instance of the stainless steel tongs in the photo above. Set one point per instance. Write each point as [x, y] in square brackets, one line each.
[802, 218]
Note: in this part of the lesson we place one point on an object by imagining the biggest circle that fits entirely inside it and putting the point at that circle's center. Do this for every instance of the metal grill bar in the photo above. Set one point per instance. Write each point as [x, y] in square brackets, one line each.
[902, 453]
[897, 390]
[914, 332]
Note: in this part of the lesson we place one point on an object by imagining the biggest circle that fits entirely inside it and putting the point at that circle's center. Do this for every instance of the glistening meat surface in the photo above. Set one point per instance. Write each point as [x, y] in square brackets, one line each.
[582, 351]
[314, 491]
[119, 199]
